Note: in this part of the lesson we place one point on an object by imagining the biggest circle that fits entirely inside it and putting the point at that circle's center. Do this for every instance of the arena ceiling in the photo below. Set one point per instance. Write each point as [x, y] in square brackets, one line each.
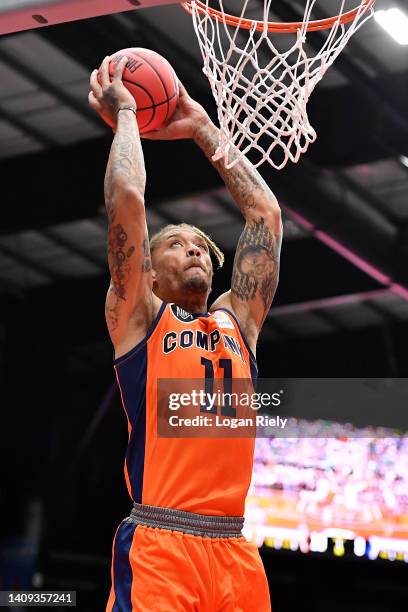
[345, 203]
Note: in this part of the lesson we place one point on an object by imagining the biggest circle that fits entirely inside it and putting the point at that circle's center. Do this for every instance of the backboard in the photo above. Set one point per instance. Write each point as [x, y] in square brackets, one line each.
[18, 15]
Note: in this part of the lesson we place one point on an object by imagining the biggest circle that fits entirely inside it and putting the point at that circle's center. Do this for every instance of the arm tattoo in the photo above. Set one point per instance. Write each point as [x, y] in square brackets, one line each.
[256, 264]
[126, 164]
[119, 254]
[147, 262]
[112, 310]
[244, 182]
[125, 160]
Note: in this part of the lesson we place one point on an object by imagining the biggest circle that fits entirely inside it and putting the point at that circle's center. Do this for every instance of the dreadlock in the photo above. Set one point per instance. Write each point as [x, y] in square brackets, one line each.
[156, 239]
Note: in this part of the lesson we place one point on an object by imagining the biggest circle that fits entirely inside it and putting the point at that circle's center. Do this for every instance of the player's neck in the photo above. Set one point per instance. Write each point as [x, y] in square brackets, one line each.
[190, 303]
[192, 306]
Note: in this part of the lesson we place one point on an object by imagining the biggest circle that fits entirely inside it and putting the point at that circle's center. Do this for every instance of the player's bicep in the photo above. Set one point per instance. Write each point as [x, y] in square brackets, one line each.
[129, 261]
[256, 272]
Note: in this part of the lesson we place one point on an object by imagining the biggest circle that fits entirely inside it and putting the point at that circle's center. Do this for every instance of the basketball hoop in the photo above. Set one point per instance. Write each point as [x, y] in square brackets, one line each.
[262, 92]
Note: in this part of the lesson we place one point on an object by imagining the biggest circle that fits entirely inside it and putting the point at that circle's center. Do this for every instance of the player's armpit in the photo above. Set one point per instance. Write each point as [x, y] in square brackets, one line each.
[256, 272]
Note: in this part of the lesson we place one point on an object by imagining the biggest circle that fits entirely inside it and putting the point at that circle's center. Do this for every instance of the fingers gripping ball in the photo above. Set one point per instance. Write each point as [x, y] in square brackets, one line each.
[153, 83]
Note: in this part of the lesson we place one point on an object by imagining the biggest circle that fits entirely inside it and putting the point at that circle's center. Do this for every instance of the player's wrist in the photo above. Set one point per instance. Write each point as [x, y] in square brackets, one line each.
[125, 118]
[127, 107]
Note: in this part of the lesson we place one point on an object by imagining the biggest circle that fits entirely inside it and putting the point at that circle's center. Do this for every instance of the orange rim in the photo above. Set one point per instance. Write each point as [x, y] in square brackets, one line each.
[276, 26]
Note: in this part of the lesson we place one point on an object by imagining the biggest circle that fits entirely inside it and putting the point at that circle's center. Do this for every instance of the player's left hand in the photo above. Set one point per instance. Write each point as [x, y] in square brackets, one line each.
[187, 118]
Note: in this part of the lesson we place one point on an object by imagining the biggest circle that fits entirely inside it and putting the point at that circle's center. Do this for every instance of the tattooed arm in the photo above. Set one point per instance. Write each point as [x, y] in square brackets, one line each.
[256, 264]
[130, 302]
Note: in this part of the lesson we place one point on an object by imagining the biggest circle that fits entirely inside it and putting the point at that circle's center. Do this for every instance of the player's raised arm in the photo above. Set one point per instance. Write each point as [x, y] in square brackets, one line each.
[256, 264]
[130, 293]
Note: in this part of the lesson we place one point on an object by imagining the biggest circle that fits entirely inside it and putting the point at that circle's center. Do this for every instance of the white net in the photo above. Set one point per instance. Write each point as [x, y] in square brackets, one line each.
[262, 80]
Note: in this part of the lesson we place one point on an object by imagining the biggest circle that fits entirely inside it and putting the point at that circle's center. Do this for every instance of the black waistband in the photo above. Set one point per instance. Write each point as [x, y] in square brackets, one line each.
[187, 522]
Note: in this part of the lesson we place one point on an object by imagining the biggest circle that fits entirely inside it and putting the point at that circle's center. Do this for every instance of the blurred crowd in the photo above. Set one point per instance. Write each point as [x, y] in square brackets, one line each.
[341, 477]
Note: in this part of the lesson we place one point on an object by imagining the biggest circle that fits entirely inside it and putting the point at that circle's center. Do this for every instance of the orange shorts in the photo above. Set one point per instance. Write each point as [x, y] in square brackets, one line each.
[162, 570]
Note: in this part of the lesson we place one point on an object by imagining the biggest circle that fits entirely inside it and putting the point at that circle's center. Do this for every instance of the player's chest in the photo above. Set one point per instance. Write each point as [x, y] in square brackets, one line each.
[189, 344]
[184, 343]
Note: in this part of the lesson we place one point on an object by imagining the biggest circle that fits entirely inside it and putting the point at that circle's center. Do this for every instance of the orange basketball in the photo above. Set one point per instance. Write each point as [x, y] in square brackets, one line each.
[153, 83]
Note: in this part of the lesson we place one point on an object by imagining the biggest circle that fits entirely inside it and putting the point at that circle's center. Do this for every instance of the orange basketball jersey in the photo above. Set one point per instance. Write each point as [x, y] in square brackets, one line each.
[201, 475]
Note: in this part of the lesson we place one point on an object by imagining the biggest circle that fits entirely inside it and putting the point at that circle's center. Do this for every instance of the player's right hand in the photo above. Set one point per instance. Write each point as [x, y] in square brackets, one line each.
[108, 94]
[187, 119]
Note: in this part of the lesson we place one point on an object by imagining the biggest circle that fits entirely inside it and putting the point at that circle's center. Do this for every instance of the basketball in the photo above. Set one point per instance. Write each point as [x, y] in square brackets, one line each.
[153, 83]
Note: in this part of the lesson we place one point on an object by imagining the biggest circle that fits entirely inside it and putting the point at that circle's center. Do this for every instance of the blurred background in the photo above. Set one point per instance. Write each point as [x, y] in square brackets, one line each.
[341, 309]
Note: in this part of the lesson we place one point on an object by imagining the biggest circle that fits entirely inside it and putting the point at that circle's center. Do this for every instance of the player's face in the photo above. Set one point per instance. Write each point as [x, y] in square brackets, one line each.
[182, 262]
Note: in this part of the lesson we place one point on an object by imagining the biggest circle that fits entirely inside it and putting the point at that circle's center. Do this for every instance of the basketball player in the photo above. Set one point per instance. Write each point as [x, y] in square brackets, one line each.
[181, 549]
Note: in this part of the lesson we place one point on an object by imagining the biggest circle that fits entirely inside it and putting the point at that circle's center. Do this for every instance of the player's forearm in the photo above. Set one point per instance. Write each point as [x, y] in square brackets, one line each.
[250, 192]
[125, 169]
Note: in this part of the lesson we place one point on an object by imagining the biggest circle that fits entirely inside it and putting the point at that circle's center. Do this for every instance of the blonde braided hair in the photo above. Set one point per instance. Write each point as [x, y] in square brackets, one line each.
[156, 238]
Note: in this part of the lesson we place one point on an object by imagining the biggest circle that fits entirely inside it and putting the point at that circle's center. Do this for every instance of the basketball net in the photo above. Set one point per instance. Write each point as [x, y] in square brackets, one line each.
[260, 91]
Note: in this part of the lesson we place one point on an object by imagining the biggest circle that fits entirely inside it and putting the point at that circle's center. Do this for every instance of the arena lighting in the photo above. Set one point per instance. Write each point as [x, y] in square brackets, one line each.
[360, 546]
[404, 160]
[395, 22]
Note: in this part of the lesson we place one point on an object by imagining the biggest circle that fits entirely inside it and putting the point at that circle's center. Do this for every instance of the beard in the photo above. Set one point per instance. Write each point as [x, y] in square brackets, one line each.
[196, 284]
